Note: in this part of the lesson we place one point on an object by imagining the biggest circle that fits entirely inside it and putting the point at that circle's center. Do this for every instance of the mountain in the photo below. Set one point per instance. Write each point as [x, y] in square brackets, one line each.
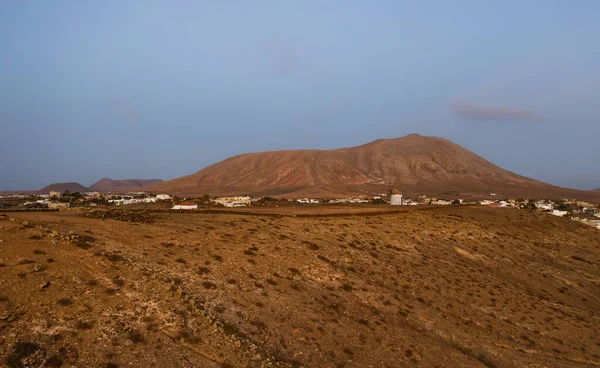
[62, 187]
[415, 164]
[110, 185]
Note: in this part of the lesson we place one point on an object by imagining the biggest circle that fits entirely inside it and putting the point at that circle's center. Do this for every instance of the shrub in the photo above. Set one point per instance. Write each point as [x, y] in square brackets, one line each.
[209, 285]
[81, 325]
[82, 244]
[64, 302]
[87, 238]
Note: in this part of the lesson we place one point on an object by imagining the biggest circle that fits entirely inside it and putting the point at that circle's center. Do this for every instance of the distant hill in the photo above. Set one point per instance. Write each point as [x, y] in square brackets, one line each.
[414, 163]
[110, 185]
[62, 187]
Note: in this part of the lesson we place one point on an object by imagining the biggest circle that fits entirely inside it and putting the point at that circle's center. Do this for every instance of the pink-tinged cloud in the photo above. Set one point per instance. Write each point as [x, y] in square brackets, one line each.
[479, 112]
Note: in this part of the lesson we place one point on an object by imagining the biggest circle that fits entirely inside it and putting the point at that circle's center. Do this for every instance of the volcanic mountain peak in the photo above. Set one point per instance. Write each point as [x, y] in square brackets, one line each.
[72, 187]
[414, 164]
[110, 185]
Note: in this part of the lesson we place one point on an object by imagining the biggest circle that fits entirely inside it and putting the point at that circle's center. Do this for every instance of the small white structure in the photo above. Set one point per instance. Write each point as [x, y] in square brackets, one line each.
[558, 213]
[185, 206]
[544, 206]
[307, 200]
[163, 197]
[234, 204]
[396, 200]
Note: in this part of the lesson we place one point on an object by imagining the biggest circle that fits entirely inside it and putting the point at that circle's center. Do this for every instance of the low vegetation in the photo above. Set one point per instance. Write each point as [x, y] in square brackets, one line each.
[468, 287]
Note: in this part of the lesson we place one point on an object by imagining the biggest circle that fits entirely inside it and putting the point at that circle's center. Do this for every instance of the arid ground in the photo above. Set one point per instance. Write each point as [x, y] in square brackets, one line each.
[449, 287]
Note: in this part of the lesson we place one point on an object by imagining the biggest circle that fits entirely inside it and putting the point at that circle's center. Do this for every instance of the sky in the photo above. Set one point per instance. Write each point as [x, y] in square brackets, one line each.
[161, 89]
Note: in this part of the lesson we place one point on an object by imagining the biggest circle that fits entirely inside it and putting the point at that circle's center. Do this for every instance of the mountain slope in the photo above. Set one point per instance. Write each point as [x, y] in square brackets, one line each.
[414, 163]
[62, 187]
[110, 185]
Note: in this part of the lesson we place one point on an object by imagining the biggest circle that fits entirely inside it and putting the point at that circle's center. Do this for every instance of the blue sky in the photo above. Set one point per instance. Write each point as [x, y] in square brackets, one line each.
[160, 89]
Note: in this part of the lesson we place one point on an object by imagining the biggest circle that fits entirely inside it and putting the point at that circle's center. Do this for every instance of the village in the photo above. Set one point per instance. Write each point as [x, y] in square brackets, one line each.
[583, 211]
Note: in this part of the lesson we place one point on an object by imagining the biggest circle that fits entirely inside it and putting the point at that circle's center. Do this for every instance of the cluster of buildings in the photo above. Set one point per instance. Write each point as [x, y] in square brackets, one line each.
[582, 211]
[136, 198]
[238, 201]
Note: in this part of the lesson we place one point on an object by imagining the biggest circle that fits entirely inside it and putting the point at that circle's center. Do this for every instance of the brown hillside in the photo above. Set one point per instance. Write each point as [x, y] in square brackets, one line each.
[110, 185]
[452, 286]
[62, 187]
[416, 164]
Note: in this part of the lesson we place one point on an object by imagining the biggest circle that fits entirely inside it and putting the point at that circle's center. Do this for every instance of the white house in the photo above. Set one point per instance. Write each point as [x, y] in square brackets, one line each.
[396, 200]
[185, 206]
[234, 204]
[558, 213]
[163, 197]
[544, 206]
[306, 200]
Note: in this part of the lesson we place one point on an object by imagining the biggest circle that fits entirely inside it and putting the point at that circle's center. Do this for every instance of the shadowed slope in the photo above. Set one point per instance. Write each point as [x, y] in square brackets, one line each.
[110, 185]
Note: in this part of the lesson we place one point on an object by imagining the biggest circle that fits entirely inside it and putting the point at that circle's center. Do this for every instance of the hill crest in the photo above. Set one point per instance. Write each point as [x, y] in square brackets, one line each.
[415, 164]
[72, 187]
[111, 185]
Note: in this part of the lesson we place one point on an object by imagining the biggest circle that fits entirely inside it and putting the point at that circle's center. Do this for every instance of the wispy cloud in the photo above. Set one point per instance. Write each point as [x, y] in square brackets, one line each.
[477, 112]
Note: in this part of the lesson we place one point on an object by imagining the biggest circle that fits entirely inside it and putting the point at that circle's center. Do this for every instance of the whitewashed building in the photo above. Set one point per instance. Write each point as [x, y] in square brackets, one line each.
[185, 206]
[558, 213]
[396, 200]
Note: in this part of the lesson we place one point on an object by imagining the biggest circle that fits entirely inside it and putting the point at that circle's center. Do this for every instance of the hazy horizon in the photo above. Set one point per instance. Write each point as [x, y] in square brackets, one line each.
[146, 89]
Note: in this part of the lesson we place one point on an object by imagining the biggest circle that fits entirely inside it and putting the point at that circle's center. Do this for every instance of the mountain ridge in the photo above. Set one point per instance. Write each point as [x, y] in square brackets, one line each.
[62, 187]
[415, 164]
[112, 185]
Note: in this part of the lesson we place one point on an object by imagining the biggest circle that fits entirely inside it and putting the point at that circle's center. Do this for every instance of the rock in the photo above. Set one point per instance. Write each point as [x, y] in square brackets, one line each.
[77, 280]
[45, 285]
[128, 342]
[1, 241]
[25, 222]
[37, 267]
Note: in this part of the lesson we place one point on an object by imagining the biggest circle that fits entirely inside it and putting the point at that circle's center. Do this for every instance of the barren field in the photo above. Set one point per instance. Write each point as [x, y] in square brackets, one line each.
[449, 287]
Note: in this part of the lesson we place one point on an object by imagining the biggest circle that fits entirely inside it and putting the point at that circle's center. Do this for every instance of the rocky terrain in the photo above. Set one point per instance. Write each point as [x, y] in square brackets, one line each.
[448, 287]
[414, 163]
